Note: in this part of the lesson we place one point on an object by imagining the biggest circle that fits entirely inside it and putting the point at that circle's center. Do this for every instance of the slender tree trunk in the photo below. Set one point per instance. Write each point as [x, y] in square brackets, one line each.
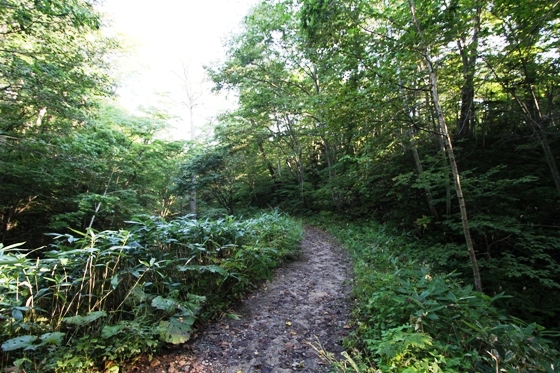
[534, 117]
[417, 161]
[539, 131]
[298, 152]
[456, 175]
[192, 102]
[440, 149]
[329, 153]
[332, 173]
[192, 196]
[266, 161]
[451, 155]
[533, 114]
[541, 134]
[98, 206]
[420, 169]
[469, 55]
[466, 118]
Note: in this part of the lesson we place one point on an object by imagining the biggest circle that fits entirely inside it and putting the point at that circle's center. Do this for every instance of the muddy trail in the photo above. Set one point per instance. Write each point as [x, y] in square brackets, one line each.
[306, 303]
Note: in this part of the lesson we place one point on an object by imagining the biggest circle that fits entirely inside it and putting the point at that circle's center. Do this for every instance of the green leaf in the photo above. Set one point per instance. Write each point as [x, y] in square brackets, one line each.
[54, 338]
[84, 320]
[176, 330]
[24, 341]
[115, 281]
[8, 260]
[200, 269]
[11, 247]
[166, 304]
[109, 331]
[17, 314]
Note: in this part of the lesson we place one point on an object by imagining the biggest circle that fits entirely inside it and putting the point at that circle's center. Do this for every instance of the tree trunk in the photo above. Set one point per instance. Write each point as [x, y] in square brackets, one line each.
[440, 149]
[541, 134]
[266, 161]
[329, 152]
[417, 161]
[450, 154]
[456, 175]
[420, 169]
[534, 116]
[469, 55]
[192, 194]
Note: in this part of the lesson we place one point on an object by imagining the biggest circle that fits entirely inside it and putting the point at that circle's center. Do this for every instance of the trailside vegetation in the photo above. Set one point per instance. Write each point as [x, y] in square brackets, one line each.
[411, 317]
[94, 301]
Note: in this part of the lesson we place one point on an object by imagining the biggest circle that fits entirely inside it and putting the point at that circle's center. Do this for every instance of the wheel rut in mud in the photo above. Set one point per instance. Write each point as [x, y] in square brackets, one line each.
[306, 306]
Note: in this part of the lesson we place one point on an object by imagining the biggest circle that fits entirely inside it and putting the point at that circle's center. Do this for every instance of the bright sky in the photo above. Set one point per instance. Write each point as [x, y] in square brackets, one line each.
[168, 34]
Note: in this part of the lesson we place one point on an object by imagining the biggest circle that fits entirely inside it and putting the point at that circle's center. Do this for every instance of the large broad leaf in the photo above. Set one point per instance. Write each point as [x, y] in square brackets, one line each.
[112, 330]
[176, 330]
[54, 338]
[84, 320]
[24, 341]
[166, 304]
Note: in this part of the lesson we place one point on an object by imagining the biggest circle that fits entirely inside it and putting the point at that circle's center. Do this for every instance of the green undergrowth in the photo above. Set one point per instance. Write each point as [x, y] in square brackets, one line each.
[409, 318]
[94, 301]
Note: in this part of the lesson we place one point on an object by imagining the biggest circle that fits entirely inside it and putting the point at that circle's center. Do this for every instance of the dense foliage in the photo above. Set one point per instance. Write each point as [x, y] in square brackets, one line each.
[96, 300]
[411, 318]
[52, 59]
[440, 117]
[96, 174]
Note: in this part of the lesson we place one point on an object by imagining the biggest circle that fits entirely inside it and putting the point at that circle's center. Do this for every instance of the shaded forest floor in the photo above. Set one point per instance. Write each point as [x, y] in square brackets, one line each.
[306, 304]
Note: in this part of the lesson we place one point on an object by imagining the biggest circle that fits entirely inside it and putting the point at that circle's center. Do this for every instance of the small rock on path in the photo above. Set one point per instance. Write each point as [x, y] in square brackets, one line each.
[308, 302]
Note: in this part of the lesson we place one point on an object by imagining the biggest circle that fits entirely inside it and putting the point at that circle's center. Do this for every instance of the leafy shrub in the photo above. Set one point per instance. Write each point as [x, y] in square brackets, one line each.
[411, 319]
[96, 300]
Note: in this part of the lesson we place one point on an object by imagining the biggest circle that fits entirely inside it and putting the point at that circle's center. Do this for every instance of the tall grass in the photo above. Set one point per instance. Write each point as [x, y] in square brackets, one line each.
[96, 300]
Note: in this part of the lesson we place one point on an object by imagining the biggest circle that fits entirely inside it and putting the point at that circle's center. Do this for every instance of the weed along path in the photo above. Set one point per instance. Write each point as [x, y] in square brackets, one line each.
[307, 303]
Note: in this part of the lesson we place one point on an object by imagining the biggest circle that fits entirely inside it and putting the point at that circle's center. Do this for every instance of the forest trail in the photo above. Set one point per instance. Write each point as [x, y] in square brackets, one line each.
[307, 302]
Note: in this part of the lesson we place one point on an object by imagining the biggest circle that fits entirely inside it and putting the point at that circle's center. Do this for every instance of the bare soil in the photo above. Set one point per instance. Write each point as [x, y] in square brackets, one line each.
[306, 304]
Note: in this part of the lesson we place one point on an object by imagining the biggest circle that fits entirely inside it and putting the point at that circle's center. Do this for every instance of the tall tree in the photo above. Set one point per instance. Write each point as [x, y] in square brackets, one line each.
[52, 59]
[398, 40]
[522, 64]
[191, 102]
[425, 52]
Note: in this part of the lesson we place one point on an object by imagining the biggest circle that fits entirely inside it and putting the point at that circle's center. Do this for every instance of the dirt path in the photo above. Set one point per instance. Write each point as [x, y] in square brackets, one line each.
[307, 302]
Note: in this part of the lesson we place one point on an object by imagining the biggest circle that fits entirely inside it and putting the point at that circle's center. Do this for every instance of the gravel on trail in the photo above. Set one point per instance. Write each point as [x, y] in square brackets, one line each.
[305, 307]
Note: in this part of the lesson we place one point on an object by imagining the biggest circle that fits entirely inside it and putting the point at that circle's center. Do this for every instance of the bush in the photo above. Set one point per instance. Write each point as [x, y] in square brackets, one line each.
[96, 300]
[410, 319]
